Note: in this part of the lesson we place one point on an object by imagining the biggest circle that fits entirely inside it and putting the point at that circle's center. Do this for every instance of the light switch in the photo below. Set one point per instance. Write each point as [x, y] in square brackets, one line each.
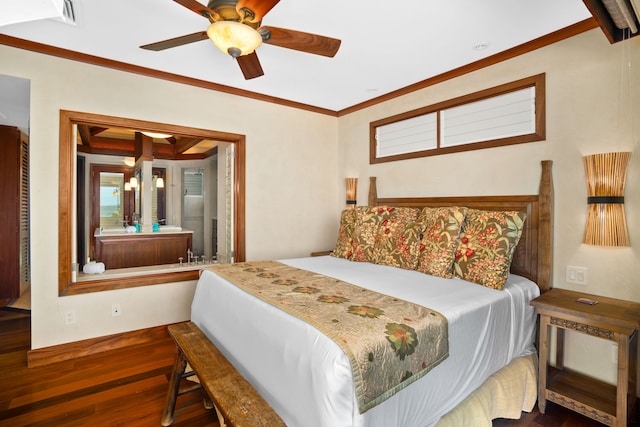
[577, 275]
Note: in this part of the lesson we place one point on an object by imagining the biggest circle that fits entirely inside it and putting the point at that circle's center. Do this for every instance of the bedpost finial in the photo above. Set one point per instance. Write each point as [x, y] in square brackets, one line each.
[373, 191]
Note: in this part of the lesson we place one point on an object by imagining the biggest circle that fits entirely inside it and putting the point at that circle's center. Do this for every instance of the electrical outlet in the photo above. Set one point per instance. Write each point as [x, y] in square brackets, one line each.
[115, 310]
[69, 317]
[576, 275]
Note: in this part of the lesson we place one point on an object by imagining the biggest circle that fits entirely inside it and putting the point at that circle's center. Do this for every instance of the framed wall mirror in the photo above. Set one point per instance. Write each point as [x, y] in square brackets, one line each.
[149, 201]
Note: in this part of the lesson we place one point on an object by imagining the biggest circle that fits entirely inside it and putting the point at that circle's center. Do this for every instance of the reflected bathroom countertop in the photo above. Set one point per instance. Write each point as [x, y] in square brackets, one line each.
[119, 231]
[141, 271]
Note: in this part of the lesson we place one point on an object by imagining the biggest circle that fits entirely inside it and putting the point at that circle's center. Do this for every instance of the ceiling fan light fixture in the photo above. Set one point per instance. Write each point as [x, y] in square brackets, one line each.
[234, 38]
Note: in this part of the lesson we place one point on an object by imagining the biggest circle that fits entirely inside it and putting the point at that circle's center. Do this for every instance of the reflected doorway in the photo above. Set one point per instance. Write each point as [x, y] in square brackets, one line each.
[112, 202]
[193, 206]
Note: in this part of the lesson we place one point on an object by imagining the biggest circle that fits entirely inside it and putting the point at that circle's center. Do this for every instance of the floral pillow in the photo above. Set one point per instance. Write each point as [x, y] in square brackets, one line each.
[365, 232]
[440, 236]
[344, 244]
[486, 246]
[397, 240]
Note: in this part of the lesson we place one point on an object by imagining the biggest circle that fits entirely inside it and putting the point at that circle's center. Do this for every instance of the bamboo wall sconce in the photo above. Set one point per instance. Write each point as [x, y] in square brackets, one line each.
[352, 192]
[606, 222]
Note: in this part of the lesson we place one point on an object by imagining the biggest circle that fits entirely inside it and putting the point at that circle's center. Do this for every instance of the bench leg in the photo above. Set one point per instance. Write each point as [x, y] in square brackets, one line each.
[208, 403]
[174, 385]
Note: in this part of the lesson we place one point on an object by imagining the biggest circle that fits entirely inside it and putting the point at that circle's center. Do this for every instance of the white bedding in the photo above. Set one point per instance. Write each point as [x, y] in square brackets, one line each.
[307, 378]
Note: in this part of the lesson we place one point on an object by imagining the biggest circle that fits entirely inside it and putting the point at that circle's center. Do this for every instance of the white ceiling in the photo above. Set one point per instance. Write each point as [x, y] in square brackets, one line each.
[385, 45]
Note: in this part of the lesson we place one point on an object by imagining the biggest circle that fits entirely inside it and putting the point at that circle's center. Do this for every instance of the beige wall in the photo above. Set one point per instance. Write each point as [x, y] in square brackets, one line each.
[291, 182]
[583, 117]
[297, 162]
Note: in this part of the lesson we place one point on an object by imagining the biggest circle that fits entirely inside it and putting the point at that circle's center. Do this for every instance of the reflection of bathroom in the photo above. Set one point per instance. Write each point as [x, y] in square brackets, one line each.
[191, 202]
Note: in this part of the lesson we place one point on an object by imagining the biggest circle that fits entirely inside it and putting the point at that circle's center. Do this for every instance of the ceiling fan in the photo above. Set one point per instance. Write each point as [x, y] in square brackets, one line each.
[236, 30]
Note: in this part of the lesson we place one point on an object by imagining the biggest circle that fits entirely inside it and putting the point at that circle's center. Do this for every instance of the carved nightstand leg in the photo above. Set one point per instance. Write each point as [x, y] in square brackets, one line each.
[623, 380]
[543, 356]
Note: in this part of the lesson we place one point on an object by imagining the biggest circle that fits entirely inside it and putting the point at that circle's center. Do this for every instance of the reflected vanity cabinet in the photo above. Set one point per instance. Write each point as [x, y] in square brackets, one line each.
[14, 211]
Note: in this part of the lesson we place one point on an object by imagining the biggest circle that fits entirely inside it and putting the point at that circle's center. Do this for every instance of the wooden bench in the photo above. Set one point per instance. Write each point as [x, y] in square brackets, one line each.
[233, 396]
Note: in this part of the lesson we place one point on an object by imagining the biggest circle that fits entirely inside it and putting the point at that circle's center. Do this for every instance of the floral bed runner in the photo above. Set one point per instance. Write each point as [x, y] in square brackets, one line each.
[390, 343]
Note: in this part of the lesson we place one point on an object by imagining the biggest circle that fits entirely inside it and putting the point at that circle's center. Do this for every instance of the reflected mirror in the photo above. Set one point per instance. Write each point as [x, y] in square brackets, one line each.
[150, 202]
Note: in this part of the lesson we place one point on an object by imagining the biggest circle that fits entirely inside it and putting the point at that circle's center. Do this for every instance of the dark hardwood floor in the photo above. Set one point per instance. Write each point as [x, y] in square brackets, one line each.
[124, 387]
[556, 416]
[127, 387]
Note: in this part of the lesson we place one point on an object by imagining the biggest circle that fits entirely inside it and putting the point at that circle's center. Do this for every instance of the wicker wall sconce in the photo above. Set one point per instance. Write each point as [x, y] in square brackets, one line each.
[352, 192]
[606, 222]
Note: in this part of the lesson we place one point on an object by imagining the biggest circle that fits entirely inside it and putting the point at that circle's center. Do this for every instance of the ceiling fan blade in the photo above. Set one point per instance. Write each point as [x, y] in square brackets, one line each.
[250, 66]
[258, 7]
[200, 9]
[297, 40]
[177, 41]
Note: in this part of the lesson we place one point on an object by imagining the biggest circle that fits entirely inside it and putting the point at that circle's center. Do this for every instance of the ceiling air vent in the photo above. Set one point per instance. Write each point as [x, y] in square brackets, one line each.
[15, 12]
[69, 13]
[618, 19]
[622, 14]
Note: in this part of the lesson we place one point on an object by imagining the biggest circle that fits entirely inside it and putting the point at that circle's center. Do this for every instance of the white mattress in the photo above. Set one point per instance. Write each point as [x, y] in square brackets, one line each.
[307, 378]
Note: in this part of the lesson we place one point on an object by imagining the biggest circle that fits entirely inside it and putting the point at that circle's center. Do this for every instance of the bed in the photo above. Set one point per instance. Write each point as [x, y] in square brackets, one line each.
[490, 369]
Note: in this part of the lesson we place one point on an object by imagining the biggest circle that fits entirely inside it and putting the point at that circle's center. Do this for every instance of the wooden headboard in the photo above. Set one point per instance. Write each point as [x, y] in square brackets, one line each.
[533, 257]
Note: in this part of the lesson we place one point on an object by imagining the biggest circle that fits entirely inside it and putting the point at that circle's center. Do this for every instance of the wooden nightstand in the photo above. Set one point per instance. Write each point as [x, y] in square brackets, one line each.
[610, 319]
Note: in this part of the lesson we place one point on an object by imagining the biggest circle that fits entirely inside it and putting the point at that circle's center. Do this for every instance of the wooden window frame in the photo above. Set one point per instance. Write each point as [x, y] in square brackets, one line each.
[537, 82]
[67, 191]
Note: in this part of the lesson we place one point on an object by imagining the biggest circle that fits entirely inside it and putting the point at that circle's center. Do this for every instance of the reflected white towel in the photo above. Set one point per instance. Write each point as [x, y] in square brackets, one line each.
[93, 268]
[130, 229]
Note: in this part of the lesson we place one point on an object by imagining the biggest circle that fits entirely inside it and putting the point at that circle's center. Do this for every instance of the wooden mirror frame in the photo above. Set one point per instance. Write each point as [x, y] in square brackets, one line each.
[66, 194]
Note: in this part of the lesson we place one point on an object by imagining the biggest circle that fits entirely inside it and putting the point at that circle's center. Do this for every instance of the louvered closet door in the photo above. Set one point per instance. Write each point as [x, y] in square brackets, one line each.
[25, 249]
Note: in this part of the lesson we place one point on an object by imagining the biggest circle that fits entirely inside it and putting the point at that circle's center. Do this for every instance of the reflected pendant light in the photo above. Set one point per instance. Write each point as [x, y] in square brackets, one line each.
[157, 135]
[606, 222]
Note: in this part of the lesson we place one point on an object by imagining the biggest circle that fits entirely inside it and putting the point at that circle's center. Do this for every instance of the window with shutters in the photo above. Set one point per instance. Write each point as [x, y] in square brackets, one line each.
[512, 113]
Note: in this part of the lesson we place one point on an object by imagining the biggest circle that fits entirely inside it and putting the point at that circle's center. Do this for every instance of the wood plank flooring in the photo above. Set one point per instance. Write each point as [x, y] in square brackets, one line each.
[556, 416]
[127, 387]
